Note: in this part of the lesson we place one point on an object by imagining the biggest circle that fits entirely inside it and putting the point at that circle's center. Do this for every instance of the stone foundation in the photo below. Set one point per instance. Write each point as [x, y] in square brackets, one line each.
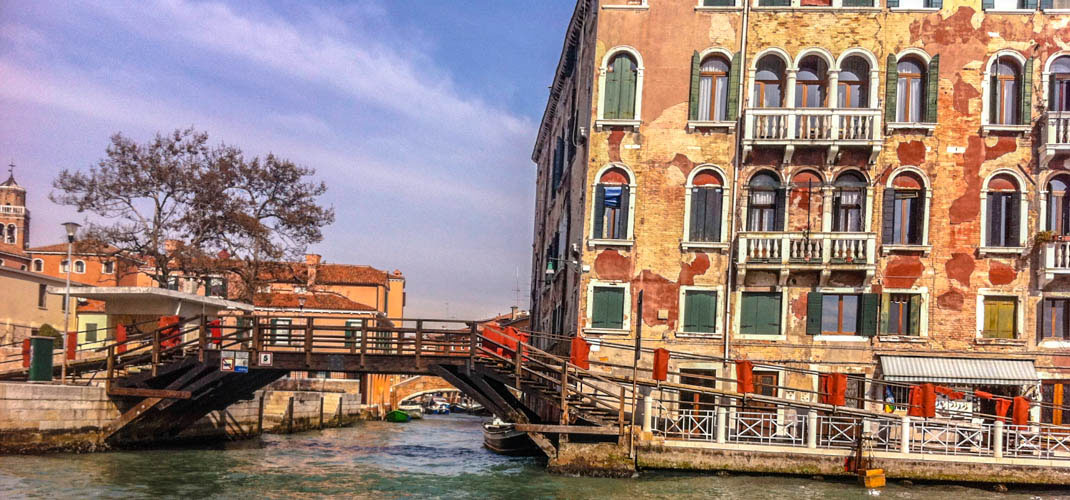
[592, 460]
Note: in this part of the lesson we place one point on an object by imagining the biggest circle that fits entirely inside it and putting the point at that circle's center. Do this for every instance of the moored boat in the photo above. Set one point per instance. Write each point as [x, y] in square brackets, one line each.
[414, 410]
[502, 438]
[397, 416]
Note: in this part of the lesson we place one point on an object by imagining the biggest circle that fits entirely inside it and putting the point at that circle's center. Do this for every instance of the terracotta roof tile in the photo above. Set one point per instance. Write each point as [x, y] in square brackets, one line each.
[326, 274]
[318, 300]
[80, 246]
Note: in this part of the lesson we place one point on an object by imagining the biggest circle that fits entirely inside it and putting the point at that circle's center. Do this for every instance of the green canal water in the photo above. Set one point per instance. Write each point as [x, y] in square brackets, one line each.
[438, 457]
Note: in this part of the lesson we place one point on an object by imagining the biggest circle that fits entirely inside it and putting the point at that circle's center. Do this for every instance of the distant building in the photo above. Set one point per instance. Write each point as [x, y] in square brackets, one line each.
[14, 224]
[27, 306]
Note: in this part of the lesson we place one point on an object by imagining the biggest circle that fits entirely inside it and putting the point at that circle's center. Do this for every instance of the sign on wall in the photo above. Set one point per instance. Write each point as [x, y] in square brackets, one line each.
[265, 359]
[241, 362]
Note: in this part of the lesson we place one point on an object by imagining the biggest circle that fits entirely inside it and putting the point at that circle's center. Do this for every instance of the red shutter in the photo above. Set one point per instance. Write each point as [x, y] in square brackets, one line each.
[661, 364]
[581, 350]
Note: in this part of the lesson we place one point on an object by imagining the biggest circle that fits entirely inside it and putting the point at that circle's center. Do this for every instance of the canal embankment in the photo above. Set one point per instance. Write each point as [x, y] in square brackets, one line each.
[38, 418]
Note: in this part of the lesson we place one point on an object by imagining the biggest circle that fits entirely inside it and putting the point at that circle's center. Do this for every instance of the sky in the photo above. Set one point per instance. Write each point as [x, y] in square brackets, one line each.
[420, 116]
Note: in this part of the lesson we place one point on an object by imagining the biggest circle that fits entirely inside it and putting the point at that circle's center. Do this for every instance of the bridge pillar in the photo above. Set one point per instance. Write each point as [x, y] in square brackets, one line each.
[997, 440]
[812, 429]
[722, 423]
[648, 410]
[904, 447]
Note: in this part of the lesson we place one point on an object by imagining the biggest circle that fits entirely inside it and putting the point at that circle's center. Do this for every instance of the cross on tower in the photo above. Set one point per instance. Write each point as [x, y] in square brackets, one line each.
[11, 169]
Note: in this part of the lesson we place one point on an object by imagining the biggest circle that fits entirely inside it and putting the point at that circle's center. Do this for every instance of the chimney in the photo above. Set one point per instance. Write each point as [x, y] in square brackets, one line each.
[312, 260]
[513, 312]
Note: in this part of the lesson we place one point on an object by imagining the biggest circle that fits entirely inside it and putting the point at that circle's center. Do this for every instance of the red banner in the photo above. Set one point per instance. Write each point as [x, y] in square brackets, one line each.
[581, 352]
[169, 335]
[216, 331]
[1002, 405]
[1020, 416]
[661, 364]
[72, 345]
[744, 376]
[120, 339]
[26, 353]
[915, 409]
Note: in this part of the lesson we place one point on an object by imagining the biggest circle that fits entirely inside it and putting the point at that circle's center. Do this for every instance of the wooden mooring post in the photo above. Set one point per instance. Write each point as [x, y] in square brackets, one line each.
[290, 415]
[564, 393]
[260, 414]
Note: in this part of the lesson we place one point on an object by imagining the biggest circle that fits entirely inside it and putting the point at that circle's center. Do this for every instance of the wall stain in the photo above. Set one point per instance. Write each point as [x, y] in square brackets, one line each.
[658, 293]
[611, 265]
[960, 267]
[615, 138]
[951, 299]
[911, 153]
[903, 271]
[967, 207]
[697, 267]
[1000, 273]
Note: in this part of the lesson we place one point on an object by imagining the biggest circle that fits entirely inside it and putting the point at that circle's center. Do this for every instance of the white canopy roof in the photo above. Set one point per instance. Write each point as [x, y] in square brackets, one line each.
[151, 301]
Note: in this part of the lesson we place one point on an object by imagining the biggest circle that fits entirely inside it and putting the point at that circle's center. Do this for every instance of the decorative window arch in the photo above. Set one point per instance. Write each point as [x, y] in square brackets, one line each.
[107, 267]
[38, 265]
[1057, 81]
[912, 87]
[849, 202]
[768, 77]
[620, 86]
[79, 266]
[1055, 204]
[905, 209]
[765, 202]
[714, 95]
[12, 234]
[1007, 91]
[811, 73]
[1004, 212]
[705, 222]
[613, 208]
[856, 79]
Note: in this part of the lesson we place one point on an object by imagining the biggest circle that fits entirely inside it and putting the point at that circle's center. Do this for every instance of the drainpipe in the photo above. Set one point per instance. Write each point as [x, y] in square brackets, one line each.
[731, 273]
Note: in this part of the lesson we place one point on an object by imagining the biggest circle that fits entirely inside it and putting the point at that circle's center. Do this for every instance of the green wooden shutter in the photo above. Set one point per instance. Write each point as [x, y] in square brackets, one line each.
[893, 4]
[599, 211]
[611, 101]
[991, 318]
[1026, 116]
[1013, 216]
[779, 216]
[915, 314]
[608, 310]
[993, 98]
[868, 314]
[988, 4]
[1030, 4]
[732, 113]
[693, 101]
[1047, 4]
[700, 311]
[932, 91]
[858, 3]
[622, 218]
[748, 314]
[692, 306]
[995, 219]
[886, 307]
[1005, 326]
[813, 313]
[712, 227]
[627, 89]
[918, 216]
[698, 214]
[888, 216]
[891, 82]
[769, 314]
[711, 324]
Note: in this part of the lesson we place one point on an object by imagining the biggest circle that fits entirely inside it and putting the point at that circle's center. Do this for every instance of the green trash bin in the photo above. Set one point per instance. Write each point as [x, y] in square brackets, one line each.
[40, 359]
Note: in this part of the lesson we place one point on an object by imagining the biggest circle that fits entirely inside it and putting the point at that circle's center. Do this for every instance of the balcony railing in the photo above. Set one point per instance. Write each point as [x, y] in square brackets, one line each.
[9, 210]
[790, 127]
[1055, 260]
[1055, 136]
[795, 249]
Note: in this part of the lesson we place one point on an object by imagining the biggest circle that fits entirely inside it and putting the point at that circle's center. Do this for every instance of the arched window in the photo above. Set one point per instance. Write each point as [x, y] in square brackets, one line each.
[611, 205]
[38, 265]
[849, 203]
[621, 78]
[765, 203]
[713, 88]
[904, 211]
[769, 82]
[804, 202]
[11, 233]
[108, 267]
[79, 266]
[1060, 84]
[1059, 205]
[706, 202]
[63, 266]
[854, 83]
[911, 90]
[1005, 91]
[1004, 200]
[811, 83]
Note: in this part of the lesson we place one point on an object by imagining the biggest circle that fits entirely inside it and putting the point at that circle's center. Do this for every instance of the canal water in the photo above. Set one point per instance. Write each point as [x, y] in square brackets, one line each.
[439, 456]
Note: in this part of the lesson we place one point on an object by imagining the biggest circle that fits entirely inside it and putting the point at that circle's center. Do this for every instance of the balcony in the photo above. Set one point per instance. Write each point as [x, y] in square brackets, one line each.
[1054, 261]
[1055, 137]
[816, 251]
[10, 210]
[813, 127]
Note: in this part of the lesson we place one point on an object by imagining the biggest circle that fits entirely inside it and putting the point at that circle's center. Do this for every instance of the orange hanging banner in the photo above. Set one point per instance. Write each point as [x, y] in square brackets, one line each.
[744, 376]
[661, 364]
[581, 352]
[915, 409]
[120, 339]
[838, 389]
[928, 400]
[823, 390]
[169, 331]
[949, 393]
[26, 353]
[72, 345]
[1020, 415]
[983, 394]
[1002, 405]
[216, 331]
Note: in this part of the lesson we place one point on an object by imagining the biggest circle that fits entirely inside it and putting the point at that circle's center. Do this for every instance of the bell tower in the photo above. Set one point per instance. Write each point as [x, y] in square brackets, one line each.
[14, 217]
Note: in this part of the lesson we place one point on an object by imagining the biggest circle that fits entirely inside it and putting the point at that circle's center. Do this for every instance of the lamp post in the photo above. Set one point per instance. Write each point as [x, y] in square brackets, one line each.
[71, 228]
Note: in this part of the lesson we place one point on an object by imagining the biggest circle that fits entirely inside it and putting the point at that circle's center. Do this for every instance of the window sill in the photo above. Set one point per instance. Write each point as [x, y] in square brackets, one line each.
[928, 128]
[910, 339]
[703, 245]
[716, 8]
[693, 125]
[1054, 344]
[757, 336]
[698, 336]
[924, 249]
[1056, 11]
[988, 341]
[605, 331]
[818, 8]
[626, 7]
[1010, 11]
[600, 124]
[596, 242]
[840, 338]
[914, 9]
[983, 251]
[1013, 129]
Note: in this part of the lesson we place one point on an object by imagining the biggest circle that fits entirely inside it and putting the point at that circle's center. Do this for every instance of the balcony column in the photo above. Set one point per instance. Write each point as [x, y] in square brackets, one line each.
[834, 100]
[997, 440]
[789, 102]
[827, 192]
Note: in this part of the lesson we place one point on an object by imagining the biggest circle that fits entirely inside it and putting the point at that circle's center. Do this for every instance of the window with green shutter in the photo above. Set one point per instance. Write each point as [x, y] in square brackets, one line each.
[1001, 318]
[700, 311]
[759, 313]
[621, 79]
[607, 308]
[901, 314]
[718, 3]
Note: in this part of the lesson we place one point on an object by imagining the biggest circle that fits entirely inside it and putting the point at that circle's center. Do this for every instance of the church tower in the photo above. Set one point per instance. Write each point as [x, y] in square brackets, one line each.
[14, 217]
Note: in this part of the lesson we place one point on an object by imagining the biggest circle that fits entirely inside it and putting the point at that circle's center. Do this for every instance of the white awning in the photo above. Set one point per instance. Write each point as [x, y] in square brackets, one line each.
[152, 301]
[964, 371]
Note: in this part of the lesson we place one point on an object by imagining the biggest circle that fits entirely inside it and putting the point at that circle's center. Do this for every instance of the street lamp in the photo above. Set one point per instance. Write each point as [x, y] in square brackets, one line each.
[71, 228]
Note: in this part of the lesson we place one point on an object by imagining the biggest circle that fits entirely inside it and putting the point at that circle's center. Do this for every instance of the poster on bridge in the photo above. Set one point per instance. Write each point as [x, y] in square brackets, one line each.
[234, 361]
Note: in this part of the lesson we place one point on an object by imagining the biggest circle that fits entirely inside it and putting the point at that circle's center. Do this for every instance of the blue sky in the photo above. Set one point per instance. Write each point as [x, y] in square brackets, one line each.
[420, 115]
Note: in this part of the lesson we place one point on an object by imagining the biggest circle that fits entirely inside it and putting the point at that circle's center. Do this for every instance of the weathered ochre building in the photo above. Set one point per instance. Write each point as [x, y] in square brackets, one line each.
[856, 186]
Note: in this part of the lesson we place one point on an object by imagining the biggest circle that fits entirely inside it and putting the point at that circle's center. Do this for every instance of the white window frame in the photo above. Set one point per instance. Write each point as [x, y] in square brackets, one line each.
[38, 265]
[1017, 10]
[1045, 75]
[728, 125]
[64, 264]
[797, 4]
[1023, 216]
[1019, 316]
[738, 306]
[736, 5]
[627, 313]
[926, 59]
[592, 241]
[923, 321]
[745, 199]
[1050, 343]
[986, 84]
[913, 9]
[726, 195]
[874, 78]
[718, 321]
[643, 5]
[927, 204]
[828, 192]
[75, 268]
[789, 76]
[104, 267]
[600, 120]
[843, 290]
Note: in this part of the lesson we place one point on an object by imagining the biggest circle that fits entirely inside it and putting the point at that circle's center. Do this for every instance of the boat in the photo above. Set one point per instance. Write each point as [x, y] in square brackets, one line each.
[414, 410]
[438, 406]
[467, 406]
[397, 416]
[503, 438]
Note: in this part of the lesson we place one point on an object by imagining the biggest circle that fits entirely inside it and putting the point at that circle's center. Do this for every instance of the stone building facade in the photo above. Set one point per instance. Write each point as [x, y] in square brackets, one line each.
[849, 186]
